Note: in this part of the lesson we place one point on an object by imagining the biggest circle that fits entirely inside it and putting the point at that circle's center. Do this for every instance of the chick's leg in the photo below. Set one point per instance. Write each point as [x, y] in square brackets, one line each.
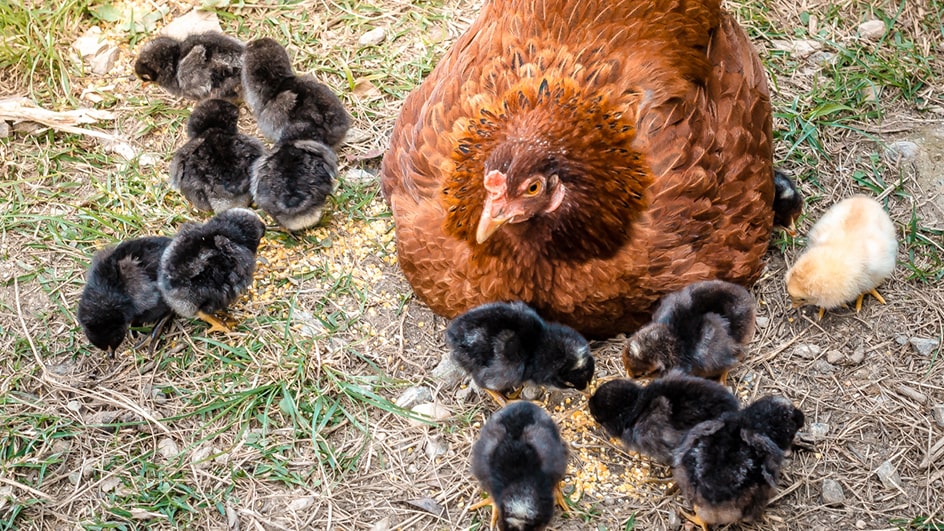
[497, 397]
[215, 324]
[493, 522]
[723, 379]
[822, 312]
[560, 499]
[877, 296]
[695, 519]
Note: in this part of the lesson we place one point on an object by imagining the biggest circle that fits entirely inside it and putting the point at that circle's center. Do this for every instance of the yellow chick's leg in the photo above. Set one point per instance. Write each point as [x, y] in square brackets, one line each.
[822, 312]
[489, 501]
[560, 499]
[695, 519]
[877, 296]
[497, 397]
[215, 324]
[723, 379]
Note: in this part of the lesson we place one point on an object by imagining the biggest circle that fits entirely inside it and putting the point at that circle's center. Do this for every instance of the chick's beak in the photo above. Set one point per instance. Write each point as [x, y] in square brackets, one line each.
[493, 217]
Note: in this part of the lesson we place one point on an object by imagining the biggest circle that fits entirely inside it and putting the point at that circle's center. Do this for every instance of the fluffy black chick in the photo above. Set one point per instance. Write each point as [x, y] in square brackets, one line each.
[203, 65]
[503, 345]
[286, 106]
[213, 169]
[293, 181]
[121, 291]
[729, 467]
[652, 420]
[208, 266]
[788, 202]
[520, 459]
[702, 329]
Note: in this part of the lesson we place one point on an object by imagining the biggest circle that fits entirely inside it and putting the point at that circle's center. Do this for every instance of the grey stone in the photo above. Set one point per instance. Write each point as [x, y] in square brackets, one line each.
[448, 371]
[532, 392]
[832, 492]
[872, 30]
[435, 447]
[901, 339]
[924, 345]
[938, 412]
[762, 322]
[834, 356]
[858, 355]
[807, 351]
[823, 367]
[412, 396]
[818, 430]
[902, 151]
[4, 129]
[889, 476]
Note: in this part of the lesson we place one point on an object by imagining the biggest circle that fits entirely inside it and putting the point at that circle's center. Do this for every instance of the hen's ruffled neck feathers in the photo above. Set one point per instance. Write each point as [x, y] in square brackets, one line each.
[532, 125]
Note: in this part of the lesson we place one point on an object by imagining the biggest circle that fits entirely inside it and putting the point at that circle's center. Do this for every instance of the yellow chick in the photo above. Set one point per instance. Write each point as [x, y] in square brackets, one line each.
[851, 250]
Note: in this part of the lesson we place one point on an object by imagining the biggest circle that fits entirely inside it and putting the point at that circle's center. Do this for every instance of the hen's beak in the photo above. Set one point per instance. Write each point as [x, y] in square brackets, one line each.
[489, 222]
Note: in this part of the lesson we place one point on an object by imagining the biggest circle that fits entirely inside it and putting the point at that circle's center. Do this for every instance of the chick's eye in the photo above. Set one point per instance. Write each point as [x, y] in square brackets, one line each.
[534, 188]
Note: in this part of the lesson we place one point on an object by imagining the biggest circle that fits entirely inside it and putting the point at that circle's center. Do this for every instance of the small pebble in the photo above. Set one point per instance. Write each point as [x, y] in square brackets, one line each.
[924, 345]
[448, 371]
[872, 29]
[4, 129]
[860, 524]
[834, 356]
[167, 448]
[762, 322]
[807, 351]
[818, 430]
[832, 492]
[889, 476]
[901, 151]
[823, 367]
[413, 396]
[372, 37]
[938, 413]
[532, 392]
[436, 447]
[381, 525]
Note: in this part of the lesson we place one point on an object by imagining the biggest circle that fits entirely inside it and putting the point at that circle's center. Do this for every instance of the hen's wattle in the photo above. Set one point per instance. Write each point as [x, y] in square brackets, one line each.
[613, 164]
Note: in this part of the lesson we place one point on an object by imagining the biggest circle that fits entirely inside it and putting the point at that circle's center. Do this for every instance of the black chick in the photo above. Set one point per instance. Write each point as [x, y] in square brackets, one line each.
[520, 460]
[286, 106]
[702, 329]
[121, 291]
[652, 420]
[203, 65]
[213, 169]
[293, 181]
[207, 267]
[503, 345]
[788, 202]
[729, 467]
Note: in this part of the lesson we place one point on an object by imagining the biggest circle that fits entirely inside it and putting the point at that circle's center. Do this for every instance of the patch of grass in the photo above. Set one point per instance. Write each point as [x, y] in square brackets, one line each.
[36, 37]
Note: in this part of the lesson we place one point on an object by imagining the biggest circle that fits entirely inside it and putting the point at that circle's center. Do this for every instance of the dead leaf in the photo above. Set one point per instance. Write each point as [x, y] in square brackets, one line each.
[20, 109]
[426, 504]
[365, 90]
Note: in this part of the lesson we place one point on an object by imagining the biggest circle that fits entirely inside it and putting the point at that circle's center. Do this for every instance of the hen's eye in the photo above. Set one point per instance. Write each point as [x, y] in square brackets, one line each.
[534, 188]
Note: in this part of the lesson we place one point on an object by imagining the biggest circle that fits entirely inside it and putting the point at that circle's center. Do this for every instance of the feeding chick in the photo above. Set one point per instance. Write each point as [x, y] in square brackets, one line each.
[208, 266]
[121, 290]
[850, 251]
[729, 467]
[286, 106]
[788, 202]
[203, 65]
[703, 329]
[293, 181]
[520, 460]
[652, 420]
[505, 344]
[212, 170]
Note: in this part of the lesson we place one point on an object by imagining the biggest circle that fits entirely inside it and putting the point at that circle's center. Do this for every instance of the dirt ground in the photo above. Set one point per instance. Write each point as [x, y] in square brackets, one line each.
[871, 384]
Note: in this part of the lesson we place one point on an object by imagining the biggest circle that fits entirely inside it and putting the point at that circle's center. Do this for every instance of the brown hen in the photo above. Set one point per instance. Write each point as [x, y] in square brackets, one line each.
[586, 158]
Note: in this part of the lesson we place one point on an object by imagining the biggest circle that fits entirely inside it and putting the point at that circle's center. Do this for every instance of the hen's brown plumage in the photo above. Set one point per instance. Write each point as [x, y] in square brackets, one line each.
[653, 116]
